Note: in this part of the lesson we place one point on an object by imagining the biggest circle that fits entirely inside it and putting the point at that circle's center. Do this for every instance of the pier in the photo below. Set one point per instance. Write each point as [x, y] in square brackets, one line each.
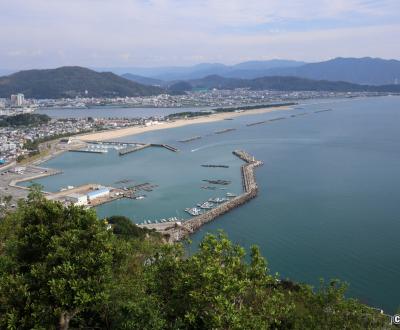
[31, 173]
[180, 230]
[133, 148]
[166, 146]
[90, 151]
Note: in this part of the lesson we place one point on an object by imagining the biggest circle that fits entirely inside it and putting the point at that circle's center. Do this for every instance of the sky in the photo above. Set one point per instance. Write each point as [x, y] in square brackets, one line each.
[147, 33]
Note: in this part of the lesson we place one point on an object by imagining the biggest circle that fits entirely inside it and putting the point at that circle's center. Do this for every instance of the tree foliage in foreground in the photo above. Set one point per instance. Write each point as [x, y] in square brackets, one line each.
[61, 268]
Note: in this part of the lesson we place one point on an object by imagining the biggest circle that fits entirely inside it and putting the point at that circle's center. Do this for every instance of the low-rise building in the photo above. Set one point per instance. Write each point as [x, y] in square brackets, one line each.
[77, 199]
[101, 192]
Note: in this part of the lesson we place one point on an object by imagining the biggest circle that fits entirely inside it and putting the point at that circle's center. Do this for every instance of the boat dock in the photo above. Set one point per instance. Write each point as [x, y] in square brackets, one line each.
[177, 231]
[128, 147]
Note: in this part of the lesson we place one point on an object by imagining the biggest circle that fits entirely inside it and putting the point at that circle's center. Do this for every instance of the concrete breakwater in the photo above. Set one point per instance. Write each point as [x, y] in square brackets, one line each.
[133, 148]
[178, 231]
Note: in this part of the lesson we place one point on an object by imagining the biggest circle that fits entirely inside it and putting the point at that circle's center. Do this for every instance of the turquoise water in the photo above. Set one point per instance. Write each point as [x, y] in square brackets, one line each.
[329, 201]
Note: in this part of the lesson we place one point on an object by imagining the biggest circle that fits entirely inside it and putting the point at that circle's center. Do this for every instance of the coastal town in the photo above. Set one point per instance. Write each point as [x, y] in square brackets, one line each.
[206, 98]
[16, 141]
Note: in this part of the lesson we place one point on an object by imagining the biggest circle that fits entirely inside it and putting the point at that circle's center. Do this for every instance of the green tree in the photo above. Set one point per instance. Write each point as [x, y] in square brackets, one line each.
[61, 267]
[125, 228]
[216, 288]
[56, 263]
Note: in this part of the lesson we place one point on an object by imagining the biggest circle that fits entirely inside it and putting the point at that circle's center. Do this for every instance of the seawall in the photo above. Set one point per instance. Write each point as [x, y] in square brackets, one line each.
[178, 231]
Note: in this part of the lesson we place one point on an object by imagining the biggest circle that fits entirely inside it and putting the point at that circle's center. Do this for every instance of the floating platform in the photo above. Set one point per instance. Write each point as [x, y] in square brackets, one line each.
[219, 181]
[209, 165]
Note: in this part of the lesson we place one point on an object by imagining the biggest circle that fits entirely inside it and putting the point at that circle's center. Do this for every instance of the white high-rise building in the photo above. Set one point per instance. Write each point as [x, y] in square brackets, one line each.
[18, 100]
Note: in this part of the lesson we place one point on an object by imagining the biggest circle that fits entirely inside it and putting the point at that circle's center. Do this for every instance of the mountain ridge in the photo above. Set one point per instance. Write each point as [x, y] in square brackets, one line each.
[71, 81]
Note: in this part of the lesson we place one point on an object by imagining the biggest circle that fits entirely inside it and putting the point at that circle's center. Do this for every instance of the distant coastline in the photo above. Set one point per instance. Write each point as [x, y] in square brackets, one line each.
[118, 133]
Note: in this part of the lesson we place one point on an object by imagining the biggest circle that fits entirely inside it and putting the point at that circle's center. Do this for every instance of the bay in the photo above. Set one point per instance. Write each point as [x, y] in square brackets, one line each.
[329, 200]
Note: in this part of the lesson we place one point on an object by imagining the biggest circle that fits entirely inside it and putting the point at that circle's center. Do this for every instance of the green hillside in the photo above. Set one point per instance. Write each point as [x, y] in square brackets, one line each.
[71, 82]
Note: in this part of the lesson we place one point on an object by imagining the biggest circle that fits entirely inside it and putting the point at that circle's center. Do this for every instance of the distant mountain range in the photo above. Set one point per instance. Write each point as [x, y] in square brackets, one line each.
[366, 71]
[285, 84]
[143, 80]
[251, 69]
[77, 81]
[71, 82]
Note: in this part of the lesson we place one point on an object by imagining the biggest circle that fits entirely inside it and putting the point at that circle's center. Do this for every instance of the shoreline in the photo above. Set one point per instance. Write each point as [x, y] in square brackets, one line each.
[134, 130]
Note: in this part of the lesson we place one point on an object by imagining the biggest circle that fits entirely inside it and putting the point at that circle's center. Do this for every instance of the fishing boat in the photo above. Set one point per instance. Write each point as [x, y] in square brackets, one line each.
[193, 211]
[206, 205]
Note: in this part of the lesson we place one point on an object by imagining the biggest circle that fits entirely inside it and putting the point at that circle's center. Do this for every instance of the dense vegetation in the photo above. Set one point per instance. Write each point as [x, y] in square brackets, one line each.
[61, 267]
[24, 119]
[281, 83]
[71, 82]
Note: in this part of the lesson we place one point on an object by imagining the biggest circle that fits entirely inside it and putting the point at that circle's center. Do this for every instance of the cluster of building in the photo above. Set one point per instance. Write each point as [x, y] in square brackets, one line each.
[13, 140]
[206, 98]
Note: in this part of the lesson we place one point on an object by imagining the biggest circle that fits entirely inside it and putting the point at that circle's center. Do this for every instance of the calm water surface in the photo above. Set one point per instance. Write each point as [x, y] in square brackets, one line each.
[113, 112]
[329, 201]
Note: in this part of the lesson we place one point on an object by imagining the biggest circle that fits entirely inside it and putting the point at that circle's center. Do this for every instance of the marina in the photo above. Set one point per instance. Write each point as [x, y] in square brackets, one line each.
[179, 231]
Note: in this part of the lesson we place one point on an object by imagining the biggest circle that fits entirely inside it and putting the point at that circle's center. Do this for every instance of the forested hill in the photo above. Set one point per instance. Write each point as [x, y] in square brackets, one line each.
[71, 82]
[287, 84]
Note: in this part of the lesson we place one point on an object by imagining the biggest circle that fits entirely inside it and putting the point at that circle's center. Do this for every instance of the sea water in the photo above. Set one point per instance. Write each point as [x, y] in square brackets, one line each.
[329, 199]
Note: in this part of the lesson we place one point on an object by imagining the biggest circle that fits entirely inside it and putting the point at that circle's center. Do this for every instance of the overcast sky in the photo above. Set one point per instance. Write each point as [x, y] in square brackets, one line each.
[120, 33]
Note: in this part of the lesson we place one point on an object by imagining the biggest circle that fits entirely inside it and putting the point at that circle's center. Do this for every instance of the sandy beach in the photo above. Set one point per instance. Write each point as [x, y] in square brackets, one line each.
[118, 133]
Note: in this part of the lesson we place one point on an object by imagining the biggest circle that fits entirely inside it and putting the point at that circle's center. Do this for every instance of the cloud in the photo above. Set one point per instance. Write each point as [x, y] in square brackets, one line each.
[164, 32]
